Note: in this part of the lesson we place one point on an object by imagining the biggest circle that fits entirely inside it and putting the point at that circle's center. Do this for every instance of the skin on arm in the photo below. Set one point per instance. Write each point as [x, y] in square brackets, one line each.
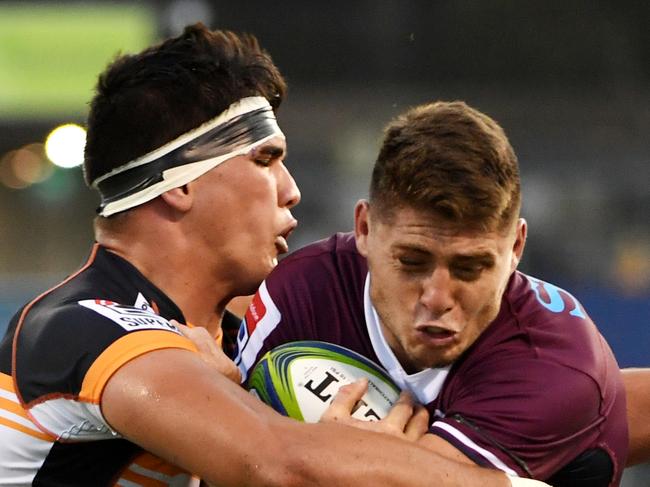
[405, 420]
[444, 448]
[637, 388]
[173, 404]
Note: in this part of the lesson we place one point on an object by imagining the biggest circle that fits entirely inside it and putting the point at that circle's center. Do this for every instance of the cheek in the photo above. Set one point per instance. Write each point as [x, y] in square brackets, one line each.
[382, 277]
[396, 299]
[481, 299]
[254, 210]
[380, 289]
[262, 190]
[487, 305]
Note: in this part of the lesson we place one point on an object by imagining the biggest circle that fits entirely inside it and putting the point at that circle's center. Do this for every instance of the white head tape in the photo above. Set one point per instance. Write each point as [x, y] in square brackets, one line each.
[245, 125]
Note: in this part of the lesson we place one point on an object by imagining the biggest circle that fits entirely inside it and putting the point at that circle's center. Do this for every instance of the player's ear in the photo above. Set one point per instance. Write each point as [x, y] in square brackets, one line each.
[520, 242]
[362, 226]
[179, 199]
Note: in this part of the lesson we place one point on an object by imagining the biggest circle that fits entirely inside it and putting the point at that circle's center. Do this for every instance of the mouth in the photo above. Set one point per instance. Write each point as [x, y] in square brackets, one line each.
[436, 336]
[281, 243]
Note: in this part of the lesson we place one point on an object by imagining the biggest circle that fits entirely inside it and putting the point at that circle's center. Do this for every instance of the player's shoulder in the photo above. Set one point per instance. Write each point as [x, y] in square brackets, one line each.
[553, 326]
[530, 296]
[560, 390]
[82, 311]
[326, 274]
[337, 244]
[48, 326]
[57, 308]
[63, 333]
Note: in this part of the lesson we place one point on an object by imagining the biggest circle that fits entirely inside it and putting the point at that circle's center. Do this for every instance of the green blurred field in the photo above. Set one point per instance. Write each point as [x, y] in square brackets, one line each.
[50, 55]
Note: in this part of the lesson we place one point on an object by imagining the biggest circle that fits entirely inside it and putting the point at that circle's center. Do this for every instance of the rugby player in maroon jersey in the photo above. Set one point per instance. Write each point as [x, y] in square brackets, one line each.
[514, 374]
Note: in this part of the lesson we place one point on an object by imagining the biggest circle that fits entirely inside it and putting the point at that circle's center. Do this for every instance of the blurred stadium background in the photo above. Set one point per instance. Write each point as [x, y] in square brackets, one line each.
[568, 80]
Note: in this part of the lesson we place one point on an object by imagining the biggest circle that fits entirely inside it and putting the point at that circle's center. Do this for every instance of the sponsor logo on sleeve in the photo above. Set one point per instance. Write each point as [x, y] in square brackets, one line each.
[261, 318]
[138, 316]
[255, 312]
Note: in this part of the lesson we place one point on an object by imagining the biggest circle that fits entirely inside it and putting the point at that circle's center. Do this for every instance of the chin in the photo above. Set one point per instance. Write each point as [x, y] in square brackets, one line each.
[419, 363]
[440, 360]
[263, 268]
[423, 357]
[444, 363]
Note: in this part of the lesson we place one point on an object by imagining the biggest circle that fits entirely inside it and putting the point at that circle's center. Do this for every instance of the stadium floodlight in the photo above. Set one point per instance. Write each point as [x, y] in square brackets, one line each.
[64, 146]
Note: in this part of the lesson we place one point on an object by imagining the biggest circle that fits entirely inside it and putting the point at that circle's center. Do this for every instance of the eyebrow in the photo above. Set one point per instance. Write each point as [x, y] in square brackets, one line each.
[410, 248]
[271, 150]
[482, 257]
[485, 257]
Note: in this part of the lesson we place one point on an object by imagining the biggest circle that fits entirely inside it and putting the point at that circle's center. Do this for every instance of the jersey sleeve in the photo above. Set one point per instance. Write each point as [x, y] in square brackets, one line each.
[63, 359]
[272, 318]
[527, 422]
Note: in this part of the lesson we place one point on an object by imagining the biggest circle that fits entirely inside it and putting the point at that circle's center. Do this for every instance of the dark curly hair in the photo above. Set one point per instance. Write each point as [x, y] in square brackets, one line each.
[147, 99]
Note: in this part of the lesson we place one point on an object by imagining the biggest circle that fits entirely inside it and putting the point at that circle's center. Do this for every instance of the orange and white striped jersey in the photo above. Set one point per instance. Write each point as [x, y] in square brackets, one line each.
[59, 352]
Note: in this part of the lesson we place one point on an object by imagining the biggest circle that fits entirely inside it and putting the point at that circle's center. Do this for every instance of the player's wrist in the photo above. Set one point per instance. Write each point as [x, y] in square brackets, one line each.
[519, 482]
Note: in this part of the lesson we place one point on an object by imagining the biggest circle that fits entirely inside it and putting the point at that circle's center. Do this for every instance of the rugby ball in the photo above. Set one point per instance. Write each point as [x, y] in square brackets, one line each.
[300, 379]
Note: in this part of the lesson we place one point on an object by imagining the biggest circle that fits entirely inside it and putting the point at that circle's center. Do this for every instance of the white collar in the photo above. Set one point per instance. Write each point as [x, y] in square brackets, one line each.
[424, 385]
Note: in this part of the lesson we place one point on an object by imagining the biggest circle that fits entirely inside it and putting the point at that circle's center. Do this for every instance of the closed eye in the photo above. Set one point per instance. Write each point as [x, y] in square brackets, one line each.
[263, 161]
[467, 273]
[413, 265]
[265, 155]
[470, 268]
[470, 272]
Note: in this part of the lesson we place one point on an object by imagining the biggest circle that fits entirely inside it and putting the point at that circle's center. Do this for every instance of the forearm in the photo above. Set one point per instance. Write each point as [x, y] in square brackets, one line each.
[214, 429]
[287, 453]
[347, 456]
[446, 449]
[339, 455]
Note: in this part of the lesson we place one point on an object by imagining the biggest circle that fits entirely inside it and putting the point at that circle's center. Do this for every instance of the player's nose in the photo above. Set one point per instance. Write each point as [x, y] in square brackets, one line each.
[288, 192]
[437, 293]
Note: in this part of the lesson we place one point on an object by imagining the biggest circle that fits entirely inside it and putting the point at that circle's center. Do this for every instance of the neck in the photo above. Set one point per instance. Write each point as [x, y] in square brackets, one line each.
[163, 254]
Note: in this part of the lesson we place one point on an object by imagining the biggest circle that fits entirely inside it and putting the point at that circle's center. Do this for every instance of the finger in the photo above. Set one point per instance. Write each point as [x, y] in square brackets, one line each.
[401, 412]
[182, 328]
[209, 351]
[418, 425]
[235, 375]
[215, 356]
[186, 331]
[345, 400]
[228, 368]
[200, 337]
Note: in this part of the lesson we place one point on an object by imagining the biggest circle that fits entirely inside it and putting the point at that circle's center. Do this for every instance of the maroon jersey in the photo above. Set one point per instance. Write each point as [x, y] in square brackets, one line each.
[539, 394]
